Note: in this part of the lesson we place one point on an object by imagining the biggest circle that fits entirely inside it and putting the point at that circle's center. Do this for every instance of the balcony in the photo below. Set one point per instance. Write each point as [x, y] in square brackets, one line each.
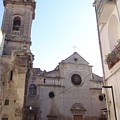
[113, 57]
[104, 9]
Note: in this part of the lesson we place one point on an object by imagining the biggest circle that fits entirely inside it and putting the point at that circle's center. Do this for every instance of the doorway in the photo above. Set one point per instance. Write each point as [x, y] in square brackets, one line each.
[78, 117]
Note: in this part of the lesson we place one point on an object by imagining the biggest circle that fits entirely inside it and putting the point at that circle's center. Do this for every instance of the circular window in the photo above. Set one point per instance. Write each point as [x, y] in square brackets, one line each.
[51, 94]
[76, 79]
[75, 59]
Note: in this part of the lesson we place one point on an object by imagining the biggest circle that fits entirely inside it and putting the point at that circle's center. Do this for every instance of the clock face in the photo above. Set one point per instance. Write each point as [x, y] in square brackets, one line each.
[76, 79]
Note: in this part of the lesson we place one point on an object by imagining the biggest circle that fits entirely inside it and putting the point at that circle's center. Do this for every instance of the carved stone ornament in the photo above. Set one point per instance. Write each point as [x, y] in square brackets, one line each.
[21, 61]
[78, 107]
[22, 58]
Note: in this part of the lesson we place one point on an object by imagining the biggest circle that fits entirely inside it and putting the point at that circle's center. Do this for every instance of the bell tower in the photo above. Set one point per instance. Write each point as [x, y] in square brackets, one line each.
[17, 22]
[16, 60]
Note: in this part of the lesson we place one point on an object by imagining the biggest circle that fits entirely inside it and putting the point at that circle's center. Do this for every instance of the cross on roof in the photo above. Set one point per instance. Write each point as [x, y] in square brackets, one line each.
[74, 47]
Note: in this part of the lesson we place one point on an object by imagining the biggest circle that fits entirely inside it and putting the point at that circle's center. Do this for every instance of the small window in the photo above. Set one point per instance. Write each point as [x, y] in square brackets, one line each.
[51, 94]
[4, 118]
[16, 23]
[11, 75]
[75, 59]
[6, 102]
[32, 89]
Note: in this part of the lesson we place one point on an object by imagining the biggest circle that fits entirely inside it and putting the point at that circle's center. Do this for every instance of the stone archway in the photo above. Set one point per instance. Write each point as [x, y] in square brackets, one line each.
[78, 111]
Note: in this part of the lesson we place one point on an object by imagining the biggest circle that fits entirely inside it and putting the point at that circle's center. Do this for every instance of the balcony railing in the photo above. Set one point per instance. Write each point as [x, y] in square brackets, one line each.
[104, 8]
[113, 57]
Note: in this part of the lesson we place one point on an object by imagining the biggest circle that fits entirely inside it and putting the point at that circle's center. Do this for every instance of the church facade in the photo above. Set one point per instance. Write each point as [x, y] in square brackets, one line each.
[69, 92]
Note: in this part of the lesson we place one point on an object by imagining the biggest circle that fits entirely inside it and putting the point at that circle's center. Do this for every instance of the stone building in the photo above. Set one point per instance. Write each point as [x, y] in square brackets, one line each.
[16, 58]
[69, 92]
[108, 22]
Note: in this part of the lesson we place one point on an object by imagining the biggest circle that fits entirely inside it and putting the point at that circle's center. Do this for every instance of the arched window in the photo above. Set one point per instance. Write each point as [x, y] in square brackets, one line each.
[16, 23]
[32, 89]
[113, 31]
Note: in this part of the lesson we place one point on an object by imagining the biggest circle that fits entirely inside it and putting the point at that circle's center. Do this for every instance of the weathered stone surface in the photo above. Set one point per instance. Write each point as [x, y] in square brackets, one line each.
[16, 58]
[68, 99]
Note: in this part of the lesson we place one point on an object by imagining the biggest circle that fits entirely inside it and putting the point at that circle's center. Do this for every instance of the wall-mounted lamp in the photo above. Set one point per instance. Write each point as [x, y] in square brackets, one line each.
[30, 108]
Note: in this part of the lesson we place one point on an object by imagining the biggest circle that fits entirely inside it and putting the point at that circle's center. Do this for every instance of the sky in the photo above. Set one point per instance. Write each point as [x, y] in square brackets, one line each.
[59, 25]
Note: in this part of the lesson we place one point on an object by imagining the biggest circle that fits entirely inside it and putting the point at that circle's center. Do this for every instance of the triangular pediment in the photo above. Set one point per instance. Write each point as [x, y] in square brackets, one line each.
[75, 58]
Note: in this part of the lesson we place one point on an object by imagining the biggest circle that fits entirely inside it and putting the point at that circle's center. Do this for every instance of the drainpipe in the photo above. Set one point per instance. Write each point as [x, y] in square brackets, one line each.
[113, 100]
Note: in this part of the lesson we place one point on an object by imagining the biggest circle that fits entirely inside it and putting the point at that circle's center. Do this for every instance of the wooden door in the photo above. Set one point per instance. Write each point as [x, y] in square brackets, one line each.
[78, 117]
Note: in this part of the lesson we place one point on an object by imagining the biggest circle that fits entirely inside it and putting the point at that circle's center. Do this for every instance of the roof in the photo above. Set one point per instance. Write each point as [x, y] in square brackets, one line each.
[75, 57]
